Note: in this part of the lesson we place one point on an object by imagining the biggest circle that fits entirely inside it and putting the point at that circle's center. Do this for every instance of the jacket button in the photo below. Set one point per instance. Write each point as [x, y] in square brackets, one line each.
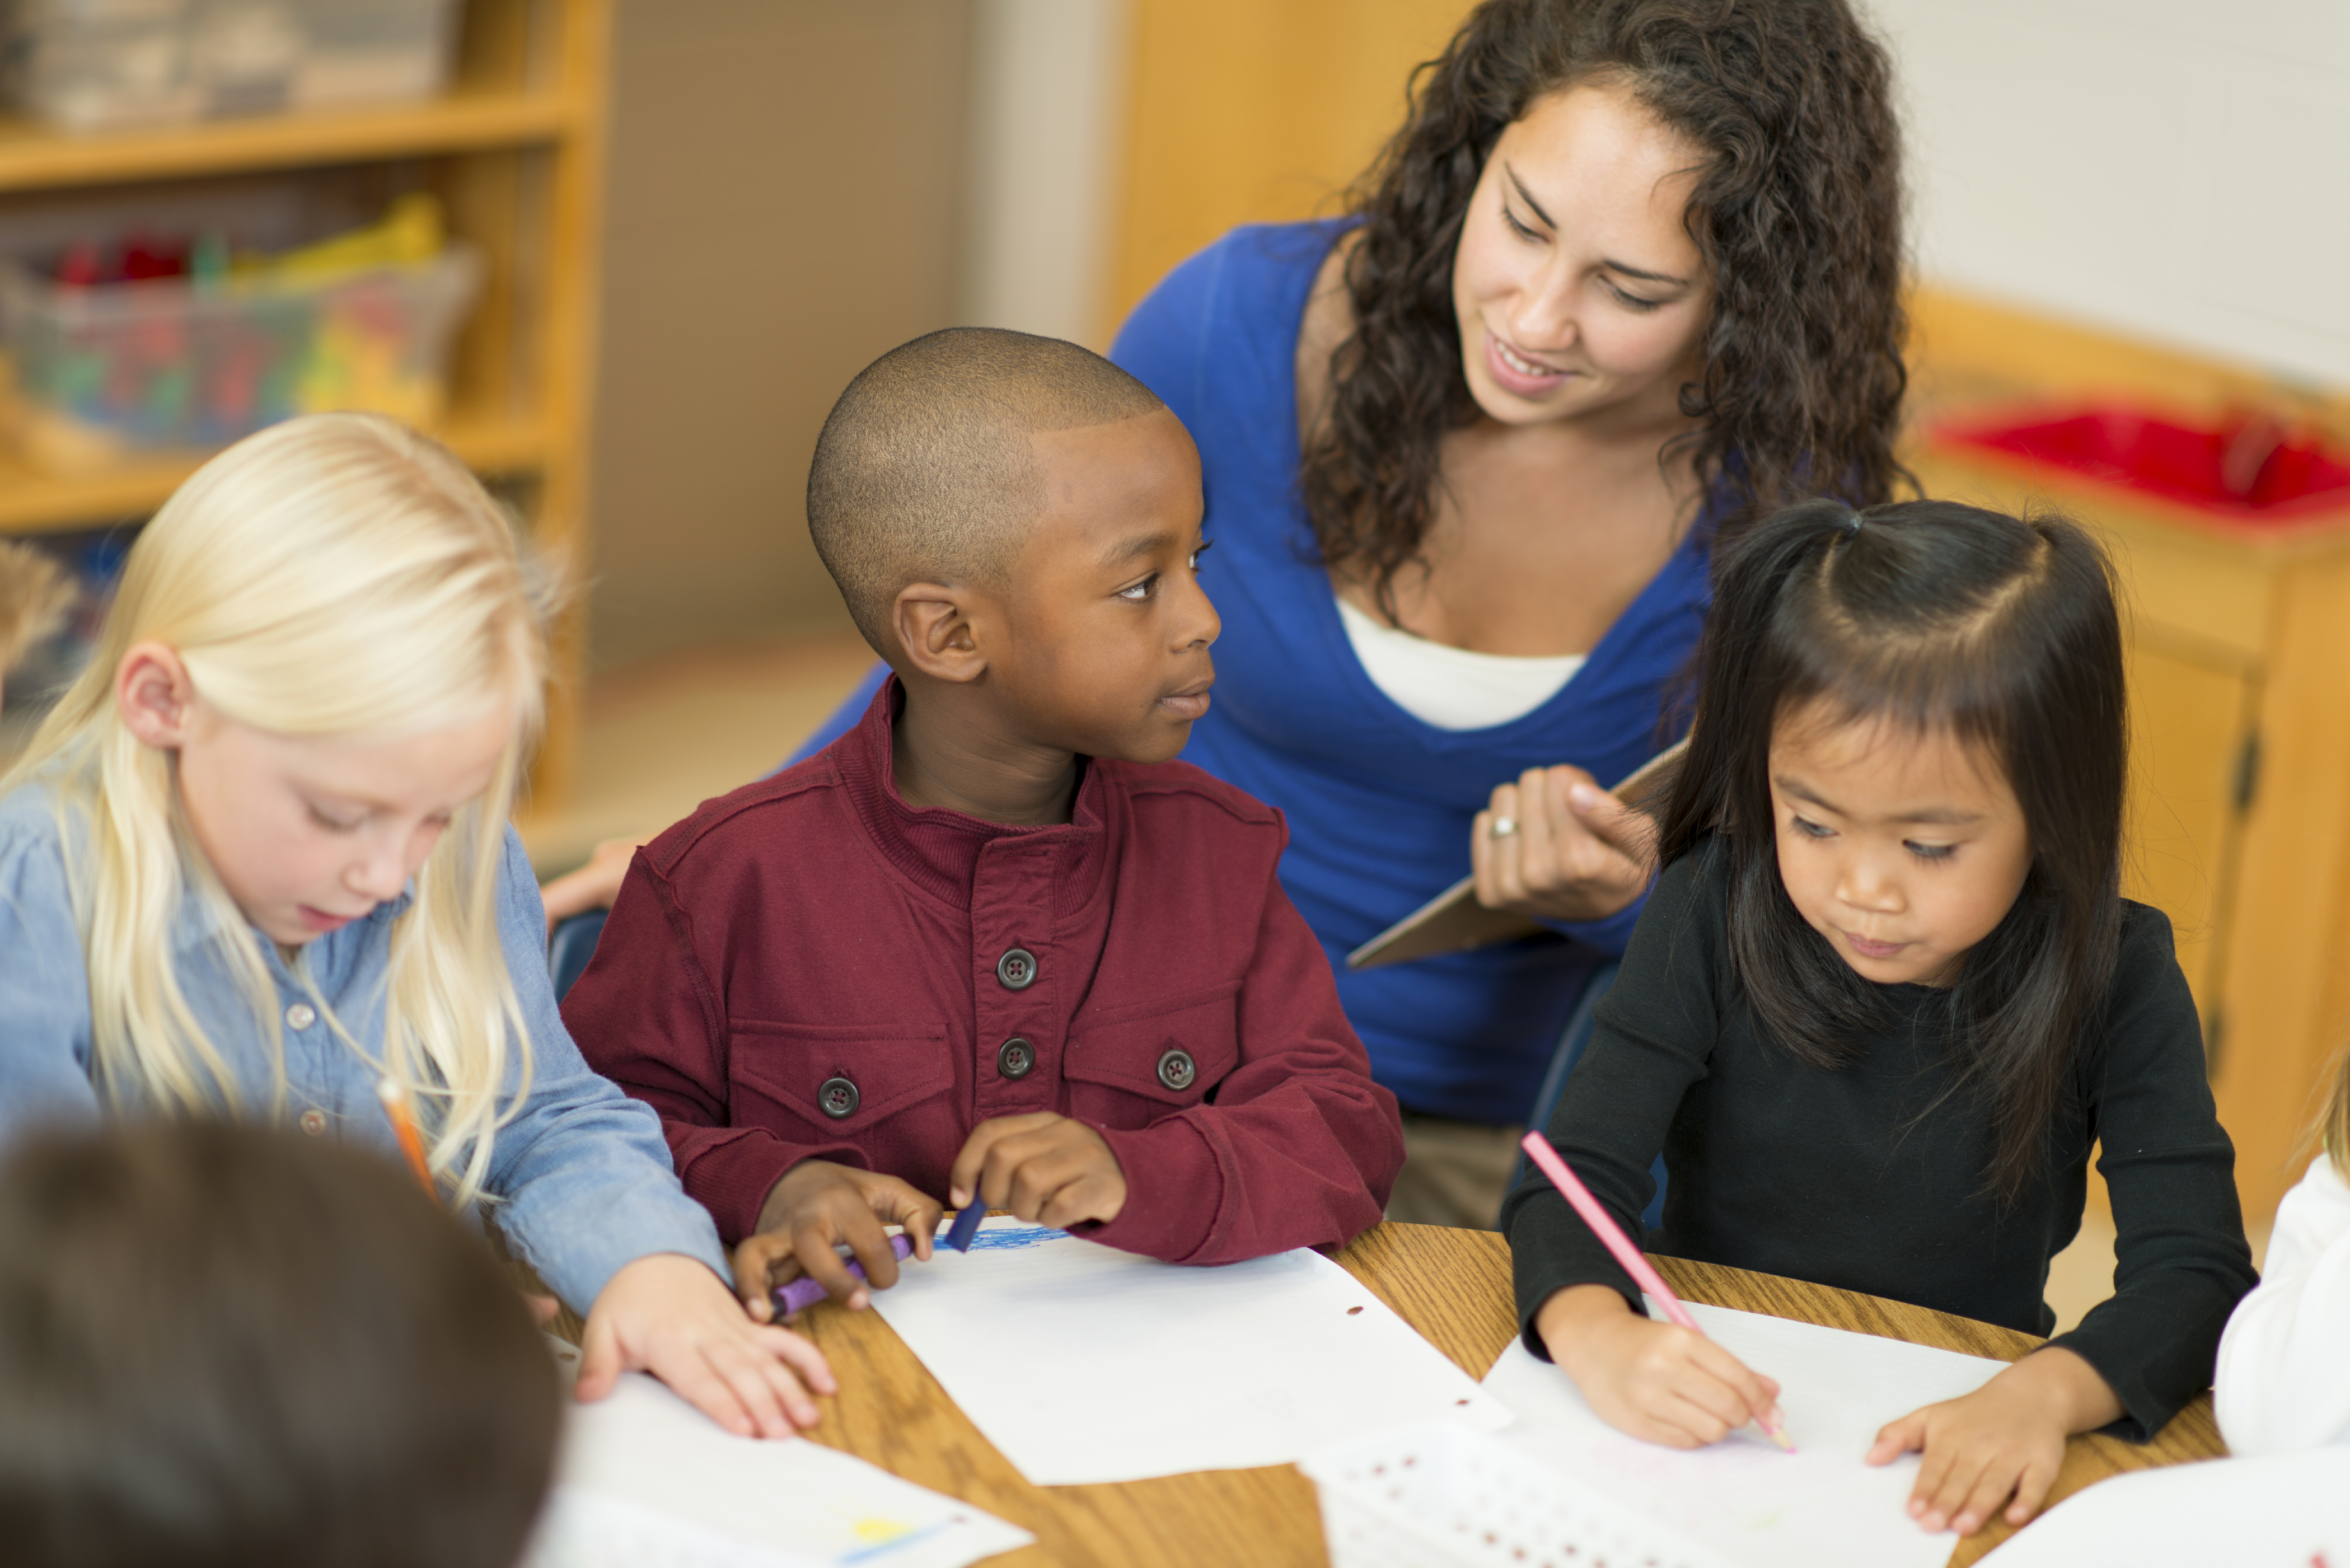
[1016, 970]
[314, 1122]
[1176, 1070]
[1017, 1058]
[301, 1016]
[837, 1098]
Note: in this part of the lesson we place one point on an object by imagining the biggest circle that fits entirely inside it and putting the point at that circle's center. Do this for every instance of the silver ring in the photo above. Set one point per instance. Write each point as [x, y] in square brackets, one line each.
[1504, 826]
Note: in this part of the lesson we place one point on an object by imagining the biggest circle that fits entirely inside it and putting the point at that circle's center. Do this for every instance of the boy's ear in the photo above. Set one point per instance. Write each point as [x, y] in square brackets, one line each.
[155, 694]
[933, 626]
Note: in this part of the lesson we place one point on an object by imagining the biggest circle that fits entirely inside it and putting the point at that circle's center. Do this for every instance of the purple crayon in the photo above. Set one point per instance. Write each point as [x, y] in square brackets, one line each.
[804, 1293]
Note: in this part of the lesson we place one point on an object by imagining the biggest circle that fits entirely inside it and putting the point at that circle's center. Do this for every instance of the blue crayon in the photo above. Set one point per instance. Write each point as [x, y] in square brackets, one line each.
[966, 1226]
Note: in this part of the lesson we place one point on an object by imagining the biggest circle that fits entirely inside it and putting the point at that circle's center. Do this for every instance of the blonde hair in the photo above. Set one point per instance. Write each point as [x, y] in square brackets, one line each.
[2334, 1124]
[335, 575]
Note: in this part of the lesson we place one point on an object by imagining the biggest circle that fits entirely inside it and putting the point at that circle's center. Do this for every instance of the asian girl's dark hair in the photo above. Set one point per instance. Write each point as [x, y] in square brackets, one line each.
[1925, 615]
[1797, 213]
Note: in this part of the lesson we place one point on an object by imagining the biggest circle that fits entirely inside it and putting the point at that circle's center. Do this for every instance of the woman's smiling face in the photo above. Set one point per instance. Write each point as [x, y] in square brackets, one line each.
[1576, 286]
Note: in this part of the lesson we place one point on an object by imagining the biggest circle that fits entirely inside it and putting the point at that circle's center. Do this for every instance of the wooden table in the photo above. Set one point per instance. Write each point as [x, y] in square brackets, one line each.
[1453, 1286]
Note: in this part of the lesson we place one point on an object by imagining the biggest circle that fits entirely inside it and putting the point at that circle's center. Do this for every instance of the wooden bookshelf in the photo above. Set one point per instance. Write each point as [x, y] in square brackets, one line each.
[515, 152]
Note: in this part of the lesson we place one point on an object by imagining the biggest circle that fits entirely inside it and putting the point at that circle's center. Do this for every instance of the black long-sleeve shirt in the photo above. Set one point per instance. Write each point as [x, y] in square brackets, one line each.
[1844, 1176]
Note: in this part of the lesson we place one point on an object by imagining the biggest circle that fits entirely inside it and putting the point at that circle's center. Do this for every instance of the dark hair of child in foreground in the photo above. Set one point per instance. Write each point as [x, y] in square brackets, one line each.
[994, 946]
[223, 1346]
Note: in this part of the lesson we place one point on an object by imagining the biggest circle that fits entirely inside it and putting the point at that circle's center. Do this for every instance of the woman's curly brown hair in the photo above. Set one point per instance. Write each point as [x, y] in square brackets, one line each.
[1797, 213]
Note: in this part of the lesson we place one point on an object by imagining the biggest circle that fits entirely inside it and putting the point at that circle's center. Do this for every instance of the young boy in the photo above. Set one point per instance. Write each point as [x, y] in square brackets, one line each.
[993, 945]
[223, 1347]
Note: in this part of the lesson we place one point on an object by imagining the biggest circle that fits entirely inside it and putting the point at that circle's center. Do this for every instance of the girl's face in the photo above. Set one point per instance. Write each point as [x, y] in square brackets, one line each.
[1902, 850]
[307, 833]
[1576, 288]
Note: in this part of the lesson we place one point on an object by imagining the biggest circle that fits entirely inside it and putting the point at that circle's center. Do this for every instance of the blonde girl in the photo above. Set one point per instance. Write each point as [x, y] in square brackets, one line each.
[2284, 1383]
[257, 862]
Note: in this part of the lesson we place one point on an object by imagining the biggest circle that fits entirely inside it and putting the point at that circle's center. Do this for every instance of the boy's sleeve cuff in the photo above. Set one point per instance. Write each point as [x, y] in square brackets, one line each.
[1174, 1191]
[730, 1172]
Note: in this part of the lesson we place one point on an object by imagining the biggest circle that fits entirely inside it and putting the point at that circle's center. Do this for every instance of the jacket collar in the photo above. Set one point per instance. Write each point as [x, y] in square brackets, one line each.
[939, 850]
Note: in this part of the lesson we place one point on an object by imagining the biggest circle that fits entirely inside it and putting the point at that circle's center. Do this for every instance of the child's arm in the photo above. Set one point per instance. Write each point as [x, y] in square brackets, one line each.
[2182, 1262]
[2284, 1361]
[45, 1028]
[1298, 1148]
[590, 1201]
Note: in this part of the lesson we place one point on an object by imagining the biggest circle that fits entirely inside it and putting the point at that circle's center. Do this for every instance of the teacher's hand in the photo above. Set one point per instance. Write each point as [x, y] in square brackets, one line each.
[1557, 846]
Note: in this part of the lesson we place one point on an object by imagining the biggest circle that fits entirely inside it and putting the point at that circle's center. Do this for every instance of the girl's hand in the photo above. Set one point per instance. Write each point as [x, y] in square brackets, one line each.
[1048, 1169]
[2004, 1441]
[1573, 851]
[668, 1314]
[815, 1207]
[1658, 1382]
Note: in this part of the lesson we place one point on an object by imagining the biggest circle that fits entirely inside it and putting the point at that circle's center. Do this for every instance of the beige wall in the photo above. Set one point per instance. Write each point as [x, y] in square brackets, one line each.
[784, 207]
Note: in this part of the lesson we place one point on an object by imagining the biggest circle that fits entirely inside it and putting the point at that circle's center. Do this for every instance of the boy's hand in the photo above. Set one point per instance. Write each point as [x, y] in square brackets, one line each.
[1658, 1382]
[2005, 1441]
[1048, 1169]
[668, 1314]
[811, 1211]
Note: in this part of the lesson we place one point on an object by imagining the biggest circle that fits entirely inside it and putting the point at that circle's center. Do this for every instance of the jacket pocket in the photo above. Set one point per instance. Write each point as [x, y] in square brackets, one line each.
[1135, 1063]
[797, 1071]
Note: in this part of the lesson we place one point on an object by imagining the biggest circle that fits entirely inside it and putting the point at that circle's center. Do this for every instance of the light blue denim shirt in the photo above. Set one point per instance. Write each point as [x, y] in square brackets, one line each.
[583, 1174]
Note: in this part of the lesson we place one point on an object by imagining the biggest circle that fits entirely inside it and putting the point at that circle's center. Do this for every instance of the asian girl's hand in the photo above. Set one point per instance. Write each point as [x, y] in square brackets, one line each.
[2000, 1444]
[817, 1207]
[668, 1314]
[1658, 1382]
[1572, 851]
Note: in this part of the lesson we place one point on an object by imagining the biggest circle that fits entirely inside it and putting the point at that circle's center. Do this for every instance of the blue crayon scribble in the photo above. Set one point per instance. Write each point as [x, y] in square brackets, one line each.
[1021, 1236]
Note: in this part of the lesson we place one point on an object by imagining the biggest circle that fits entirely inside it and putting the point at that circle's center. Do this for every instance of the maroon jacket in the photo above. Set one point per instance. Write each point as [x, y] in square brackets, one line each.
[808, 968]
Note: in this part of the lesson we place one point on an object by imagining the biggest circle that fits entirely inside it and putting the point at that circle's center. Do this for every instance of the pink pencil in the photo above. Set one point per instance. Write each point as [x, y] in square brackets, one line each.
[1643, 1273]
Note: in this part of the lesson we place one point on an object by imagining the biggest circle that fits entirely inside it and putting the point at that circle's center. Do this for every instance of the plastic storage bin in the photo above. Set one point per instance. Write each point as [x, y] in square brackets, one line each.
[1442, 1495]
[108, 371]
[95, 65]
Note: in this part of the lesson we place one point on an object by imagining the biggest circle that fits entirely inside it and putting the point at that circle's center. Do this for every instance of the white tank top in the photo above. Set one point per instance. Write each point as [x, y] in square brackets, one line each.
[1452, 688]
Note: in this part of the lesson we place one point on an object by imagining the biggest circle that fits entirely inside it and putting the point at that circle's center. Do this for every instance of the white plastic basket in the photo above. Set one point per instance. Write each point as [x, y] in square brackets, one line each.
[1443, 1496]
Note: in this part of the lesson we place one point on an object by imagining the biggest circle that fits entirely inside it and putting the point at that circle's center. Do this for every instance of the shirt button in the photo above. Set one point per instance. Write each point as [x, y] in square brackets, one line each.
[837, 1098]
[1017, 1058]
[314, 1122]
[1176, 1070]
[1016, 970]
[301, 1016]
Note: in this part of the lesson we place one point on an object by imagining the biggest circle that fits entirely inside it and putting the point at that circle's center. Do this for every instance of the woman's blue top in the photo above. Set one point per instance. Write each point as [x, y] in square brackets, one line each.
[1379, 803]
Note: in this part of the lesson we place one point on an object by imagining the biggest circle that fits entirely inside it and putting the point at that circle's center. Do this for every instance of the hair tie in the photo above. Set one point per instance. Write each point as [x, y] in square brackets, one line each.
[1852, 523]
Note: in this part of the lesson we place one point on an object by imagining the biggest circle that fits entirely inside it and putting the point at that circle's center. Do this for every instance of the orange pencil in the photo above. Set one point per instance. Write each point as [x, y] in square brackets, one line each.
[404, 1126]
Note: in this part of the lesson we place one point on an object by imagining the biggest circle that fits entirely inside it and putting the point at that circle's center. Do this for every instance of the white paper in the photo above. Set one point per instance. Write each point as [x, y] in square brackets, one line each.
[1818, 1507]
[648, 1481]
[2292, 1511]
[1083, 1363]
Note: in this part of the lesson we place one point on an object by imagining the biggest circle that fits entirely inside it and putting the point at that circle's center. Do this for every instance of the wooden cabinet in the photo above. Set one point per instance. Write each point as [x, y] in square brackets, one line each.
[515, 152]
[2239, 647]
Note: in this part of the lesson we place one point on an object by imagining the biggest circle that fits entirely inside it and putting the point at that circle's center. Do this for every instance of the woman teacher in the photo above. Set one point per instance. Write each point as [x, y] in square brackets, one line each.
[1627, 280]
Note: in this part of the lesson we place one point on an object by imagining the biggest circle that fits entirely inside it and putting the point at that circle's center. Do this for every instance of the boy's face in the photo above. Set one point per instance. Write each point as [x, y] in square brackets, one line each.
[1104, 631]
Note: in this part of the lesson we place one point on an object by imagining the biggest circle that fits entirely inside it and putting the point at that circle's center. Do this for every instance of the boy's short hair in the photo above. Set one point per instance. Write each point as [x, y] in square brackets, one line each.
[924, 472]
[229, 1345]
